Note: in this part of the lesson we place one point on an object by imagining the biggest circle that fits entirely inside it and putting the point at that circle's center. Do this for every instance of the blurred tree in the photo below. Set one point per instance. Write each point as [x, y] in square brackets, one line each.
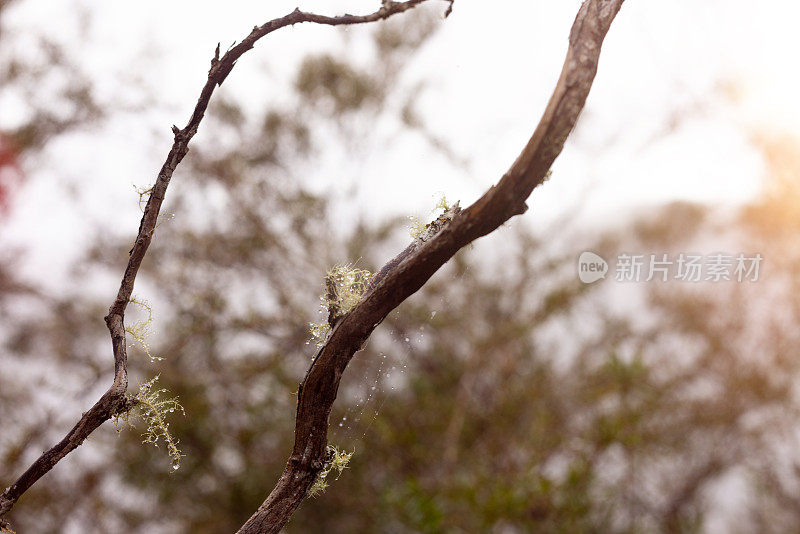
[44, 96]
[508, 396]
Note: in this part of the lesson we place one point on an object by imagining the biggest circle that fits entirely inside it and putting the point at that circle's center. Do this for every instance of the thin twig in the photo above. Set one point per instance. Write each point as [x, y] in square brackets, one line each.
[114, 401]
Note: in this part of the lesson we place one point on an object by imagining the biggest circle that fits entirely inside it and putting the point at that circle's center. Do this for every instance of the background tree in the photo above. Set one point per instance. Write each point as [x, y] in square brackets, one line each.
[482, 417]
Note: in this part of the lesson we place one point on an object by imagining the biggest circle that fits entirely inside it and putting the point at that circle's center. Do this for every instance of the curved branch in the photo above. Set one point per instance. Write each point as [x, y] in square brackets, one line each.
[319, 387]
[114, 400]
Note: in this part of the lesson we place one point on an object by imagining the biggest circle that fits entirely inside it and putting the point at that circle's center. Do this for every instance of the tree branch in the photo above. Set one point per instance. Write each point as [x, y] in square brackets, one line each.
[318, 390]
[114, 400]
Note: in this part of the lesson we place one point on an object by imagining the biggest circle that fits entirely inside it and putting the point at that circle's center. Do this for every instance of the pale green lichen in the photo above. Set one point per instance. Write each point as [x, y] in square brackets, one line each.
[344, 285]
[442, 204]
[335, 460]
[423, 232]
[140, 331]
[417, 228]
[320, 332]
[154, 410]
[435, 226]
[144, 195]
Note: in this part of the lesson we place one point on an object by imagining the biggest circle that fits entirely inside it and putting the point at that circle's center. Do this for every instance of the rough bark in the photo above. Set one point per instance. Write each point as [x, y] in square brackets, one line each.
[504, 200]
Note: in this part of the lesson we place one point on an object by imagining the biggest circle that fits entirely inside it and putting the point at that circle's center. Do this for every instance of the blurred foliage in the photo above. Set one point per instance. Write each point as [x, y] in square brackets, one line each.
[327, 80]
[504, 397]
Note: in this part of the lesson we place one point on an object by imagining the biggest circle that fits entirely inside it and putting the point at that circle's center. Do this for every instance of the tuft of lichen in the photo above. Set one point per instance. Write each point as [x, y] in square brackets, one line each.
[335, 460]
[417, 228]
[422, 232]
[442, 204]
[344, 285]
[144, 194]
[141, 330]
[154, 410]
[319, 332]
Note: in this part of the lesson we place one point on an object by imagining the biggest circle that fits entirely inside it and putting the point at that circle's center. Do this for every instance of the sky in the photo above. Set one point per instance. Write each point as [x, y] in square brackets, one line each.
[683, 87]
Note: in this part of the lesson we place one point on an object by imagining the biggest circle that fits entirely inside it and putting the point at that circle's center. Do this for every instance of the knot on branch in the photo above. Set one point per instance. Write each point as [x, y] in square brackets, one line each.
[128, 403]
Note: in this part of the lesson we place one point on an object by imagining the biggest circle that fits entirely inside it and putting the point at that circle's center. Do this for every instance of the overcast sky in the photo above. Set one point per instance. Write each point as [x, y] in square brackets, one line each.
[683, 87]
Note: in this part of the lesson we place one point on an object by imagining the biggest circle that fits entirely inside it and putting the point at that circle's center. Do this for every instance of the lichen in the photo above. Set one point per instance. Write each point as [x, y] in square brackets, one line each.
[344, 285]
[335, 460]
[417, 228]
[422, 233]
[442, 204]
[144, 195]
[320, 332]
[140, 331]
[154, 410]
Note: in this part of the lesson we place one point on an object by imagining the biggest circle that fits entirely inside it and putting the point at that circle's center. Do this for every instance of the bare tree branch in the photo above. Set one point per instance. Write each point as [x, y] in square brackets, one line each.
[114, 401]
[415, 265]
